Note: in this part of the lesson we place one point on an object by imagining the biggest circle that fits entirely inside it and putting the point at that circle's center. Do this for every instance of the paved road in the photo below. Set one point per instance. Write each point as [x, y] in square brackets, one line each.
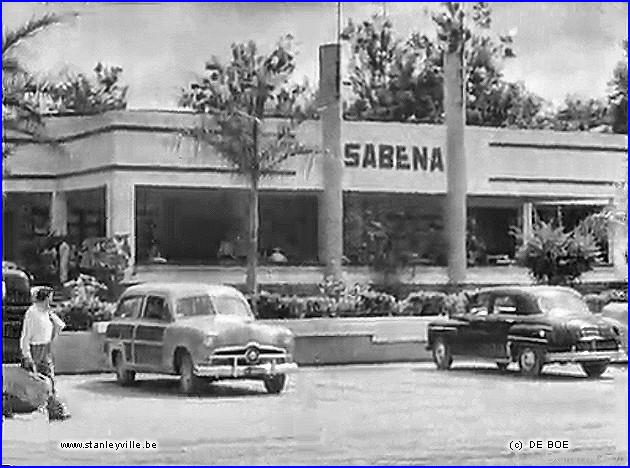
[397, 414]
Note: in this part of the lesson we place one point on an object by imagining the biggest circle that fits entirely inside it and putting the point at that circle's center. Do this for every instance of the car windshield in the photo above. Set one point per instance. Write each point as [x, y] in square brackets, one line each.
[562, 303]
[195, 306]
[227, 305]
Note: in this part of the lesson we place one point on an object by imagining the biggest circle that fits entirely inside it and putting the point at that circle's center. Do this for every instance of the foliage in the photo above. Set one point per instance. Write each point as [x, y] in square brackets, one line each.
[577, 114]
[238, 96]
[618, 93]
[554, 256]
[85, 305]
[108, 258]
[77, 94]
[402, 80]
[341, 300]
[429, 303]
[18, 115]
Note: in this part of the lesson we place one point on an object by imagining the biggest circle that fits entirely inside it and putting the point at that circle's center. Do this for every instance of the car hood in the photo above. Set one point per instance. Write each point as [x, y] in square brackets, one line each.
[235, 331]
[584, 325]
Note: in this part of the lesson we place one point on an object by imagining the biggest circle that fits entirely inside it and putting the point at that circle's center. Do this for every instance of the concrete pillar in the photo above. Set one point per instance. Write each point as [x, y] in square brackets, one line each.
[331, 200]
[59, 213]
[528, 220]
[456, 176]
[121, 210]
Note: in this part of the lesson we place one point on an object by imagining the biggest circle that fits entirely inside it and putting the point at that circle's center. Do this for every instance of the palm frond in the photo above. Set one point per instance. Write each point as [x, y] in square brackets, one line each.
[35, 25]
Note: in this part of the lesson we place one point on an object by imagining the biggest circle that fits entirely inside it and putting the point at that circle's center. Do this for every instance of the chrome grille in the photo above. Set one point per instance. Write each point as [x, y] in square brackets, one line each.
[589, 332]
[598, 345]
[237, 355]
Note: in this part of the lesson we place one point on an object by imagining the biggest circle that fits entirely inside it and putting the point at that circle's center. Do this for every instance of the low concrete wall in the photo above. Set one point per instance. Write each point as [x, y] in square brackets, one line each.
[318, 341]
[322, 341]
[80, 352]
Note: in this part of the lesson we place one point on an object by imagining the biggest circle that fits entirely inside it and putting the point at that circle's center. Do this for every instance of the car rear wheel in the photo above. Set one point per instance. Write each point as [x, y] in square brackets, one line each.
[275, 384]
[124, 376]
[442, 354]
[594, 369]
[189, 383]
[530, 361]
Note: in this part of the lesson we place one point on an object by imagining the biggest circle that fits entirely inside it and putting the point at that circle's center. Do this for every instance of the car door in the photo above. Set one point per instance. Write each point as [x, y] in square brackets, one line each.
[504, 313]
[473, 332]
[149, 333]
[127, 315]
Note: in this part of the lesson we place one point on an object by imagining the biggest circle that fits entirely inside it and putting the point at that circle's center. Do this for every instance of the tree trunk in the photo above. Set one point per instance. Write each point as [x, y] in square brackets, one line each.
[454, 105]
[252, 253]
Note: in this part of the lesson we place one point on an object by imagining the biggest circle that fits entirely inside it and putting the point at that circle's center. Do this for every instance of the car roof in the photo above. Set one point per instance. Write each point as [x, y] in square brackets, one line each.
[182, 290]
[532, 291]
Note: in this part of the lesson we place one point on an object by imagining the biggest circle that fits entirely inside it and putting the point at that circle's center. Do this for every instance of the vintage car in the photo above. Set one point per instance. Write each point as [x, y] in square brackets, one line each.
[16, 299]
[199, 332]
[533, 326]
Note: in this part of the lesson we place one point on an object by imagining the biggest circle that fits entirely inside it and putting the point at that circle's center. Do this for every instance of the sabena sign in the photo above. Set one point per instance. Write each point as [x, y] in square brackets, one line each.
[397, 157]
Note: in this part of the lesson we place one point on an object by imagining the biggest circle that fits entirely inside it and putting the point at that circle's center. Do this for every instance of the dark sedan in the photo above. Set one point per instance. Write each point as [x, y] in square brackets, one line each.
[532, 326]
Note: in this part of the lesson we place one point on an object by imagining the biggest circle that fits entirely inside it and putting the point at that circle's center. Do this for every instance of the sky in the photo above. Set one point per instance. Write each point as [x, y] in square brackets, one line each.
[562, 48]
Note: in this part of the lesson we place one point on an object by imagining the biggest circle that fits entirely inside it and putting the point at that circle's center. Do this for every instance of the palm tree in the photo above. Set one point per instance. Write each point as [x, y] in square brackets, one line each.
[18, 114]
[238, 96]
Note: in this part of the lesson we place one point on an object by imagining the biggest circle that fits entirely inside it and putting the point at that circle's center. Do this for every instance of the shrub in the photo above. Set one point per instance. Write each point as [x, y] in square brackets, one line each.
[85, 306]
[554, 256]
[423, 303]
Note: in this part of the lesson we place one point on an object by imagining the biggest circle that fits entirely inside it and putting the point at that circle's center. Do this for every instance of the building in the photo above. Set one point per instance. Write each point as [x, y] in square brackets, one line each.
[132, 173]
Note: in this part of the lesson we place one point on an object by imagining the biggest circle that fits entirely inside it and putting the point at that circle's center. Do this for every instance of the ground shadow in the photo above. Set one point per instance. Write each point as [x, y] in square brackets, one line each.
[168, 387]
[513, 373]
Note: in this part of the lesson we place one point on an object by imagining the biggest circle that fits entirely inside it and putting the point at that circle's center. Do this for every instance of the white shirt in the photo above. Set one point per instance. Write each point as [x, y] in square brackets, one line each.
[38, 328]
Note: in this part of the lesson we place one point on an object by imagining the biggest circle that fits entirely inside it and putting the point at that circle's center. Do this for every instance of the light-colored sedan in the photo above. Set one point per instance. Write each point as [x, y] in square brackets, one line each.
[199, 332]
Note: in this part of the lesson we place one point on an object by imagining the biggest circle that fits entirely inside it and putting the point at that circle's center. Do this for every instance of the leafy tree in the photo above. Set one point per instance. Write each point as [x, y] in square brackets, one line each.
[577, 114]
[396, 79]
[239, 96]
[618, 93]
[77, 94]
[18, 115]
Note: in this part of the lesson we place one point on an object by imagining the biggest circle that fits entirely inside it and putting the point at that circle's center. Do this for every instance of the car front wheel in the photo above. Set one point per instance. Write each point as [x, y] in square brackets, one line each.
[123, 376]
[188, 382]
[594, 369]
[530, 361]
[442, 354]
[275, 384]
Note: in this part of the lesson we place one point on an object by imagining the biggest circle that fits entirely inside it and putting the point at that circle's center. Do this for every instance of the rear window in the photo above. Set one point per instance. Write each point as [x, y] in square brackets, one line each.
[227, 305]
[195, 306]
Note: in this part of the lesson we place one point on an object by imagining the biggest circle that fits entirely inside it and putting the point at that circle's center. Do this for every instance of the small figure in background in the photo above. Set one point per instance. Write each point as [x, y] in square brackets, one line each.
[64, 261]
[155, 255]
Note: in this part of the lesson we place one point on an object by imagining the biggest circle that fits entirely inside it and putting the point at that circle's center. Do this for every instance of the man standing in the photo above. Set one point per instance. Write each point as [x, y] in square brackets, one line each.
[41, 327]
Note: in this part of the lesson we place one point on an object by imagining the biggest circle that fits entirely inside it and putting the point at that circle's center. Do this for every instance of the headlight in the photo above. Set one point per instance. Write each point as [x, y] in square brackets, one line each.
[541, 333]
[208, 341]
[288, 341]
[616, 330]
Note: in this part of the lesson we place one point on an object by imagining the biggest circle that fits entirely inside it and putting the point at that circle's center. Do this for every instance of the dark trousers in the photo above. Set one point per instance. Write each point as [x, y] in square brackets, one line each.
[42, 358]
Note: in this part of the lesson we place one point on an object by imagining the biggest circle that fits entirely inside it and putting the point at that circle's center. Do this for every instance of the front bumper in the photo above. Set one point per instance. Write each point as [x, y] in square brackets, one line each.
[253, 371]
[586, 356]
